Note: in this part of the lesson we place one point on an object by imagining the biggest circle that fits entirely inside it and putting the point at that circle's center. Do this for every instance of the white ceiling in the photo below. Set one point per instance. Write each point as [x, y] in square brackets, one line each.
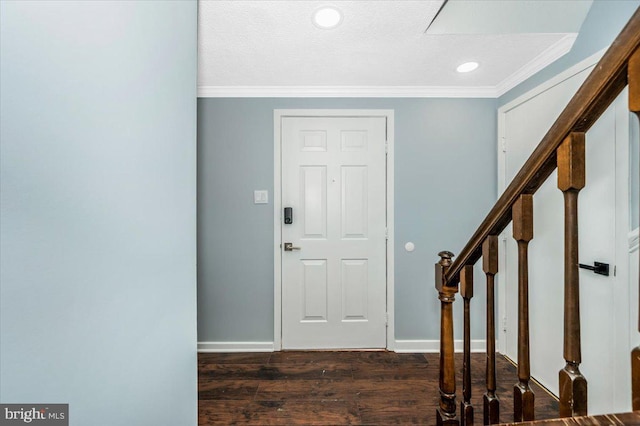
[381, 48]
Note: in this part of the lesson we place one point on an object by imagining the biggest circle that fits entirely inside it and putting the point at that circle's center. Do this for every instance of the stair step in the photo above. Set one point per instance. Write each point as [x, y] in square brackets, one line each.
[605, 419]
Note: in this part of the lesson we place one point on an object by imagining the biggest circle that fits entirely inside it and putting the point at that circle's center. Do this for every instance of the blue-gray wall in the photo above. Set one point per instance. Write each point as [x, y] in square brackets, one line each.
[445, 182]
[98, 232]
[603, 23]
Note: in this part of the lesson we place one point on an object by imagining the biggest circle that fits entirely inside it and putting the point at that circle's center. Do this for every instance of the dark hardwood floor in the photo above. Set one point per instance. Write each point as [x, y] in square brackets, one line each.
[340, 388]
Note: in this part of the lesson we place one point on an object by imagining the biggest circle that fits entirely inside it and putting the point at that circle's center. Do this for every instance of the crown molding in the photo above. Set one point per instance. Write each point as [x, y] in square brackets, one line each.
[544, 59]
[548, 56]
[346, 92]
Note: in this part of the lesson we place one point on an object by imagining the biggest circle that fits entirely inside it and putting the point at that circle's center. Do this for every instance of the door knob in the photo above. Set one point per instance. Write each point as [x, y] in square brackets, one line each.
[598, 267]
[290, 247]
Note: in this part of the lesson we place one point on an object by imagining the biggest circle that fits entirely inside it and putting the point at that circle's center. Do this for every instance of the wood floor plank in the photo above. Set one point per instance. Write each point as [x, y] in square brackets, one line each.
[314, 357]
[395, 390]
[227, 389]
[311, 371]
[302, 413]
[221, 412]
[418, 358]
[309, 390]
[238, 371]
[394, 372]
[315, 371]
[234, 358]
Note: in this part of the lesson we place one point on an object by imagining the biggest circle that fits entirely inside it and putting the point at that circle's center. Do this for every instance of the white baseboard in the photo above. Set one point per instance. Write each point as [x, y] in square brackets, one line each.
[235, 347]
[433, 346]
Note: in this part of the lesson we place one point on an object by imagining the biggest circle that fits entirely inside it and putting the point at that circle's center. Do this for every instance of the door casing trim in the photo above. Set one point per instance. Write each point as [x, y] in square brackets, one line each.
[278, 114]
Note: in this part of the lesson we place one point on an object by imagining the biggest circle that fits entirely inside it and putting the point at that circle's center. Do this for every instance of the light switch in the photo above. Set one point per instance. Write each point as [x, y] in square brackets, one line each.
[261, 197]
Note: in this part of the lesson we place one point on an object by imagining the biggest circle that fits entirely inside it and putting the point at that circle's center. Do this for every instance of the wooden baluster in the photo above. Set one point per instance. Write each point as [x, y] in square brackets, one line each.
[490, 268]
[466, 291]
[633, 77]
[446, 412]
[523, 397]
[571, 179]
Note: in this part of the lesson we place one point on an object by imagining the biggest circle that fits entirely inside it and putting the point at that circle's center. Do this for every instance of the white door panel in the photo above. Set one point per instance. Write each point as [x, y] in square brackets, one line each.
[334, 285]
[525, 124]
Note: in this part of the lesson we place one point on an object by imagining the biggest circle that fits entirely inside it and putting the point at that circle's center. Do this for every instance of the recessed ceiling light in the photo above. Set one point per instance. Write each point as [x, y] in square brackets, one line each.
[467, 67]
[327, 17]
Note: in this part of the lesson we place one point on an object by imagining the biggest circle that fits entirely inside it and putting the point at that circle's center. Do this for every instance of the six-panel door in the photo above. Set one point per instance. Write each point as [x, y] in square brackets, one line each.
[334, 281]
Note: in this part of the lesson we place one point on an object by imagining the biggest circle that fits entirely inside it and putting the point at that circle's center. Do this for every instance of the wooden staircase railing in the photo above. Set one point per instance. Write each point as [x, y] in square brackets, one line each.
[563, 147]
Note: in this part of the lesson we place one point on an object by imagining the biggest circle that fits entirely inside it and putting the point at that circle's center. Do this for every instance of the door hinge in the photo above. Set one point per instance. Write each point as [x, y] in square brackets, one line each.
[504, 324]
[386, 147]
[504, 144]
[386, 233]
[386, 319]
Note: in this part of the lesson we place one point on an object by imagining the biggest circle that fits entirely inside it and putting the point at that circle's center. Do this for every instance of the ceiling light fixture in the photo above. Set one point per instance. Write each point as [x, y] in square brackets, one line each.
[467, 67]
[327, 17]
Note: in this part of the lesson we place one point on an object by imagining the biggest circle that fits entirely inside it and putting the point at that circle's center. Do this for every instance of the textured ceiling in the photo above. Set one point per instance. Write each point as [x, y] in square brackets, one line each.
[247, 45]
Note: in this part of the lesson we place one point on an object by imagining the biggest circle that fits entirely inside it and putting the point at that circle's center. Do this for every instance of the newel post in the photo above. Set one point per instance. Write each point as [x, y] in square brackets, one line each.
[446, 412]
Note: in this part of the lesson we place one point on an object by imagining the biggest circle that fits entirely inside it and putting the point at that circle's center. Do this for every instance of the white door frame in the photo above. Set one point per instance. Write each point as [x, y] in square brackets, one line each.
[278, 114]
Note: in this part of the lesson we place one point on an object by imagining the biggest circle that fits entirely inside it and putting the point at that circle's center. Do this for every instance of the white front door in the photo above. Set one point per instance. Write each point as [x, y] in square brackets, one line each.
[334, 279]
[601, 225]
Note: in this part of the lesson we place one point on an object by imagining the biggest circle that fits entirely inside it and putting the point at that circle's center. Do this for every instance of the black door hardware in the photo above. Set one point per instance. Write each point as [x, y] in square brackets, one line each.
[598, 268]
[288, 215]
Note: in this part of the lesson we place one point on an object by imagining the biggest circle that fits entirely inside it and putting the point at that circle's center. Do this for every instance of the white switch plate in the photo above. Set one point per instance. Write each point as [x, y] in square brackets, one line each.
[261, 197]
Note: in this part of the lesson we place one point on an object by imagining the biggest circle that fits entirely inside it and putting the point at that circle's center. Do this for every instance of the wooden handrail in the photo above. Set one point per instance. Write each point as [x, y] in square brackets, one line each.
[600, 88]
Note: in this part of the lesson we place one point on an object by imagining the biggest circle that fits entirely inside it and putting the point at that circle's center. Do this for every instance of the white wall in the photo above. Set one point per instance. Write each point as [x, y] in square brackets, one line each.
[98, 186]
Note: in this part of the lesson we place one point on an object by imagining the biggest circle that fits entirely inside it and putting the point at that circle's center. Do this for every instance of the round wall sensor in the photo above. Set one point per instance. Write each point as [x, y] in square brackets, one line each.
[409, 246]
